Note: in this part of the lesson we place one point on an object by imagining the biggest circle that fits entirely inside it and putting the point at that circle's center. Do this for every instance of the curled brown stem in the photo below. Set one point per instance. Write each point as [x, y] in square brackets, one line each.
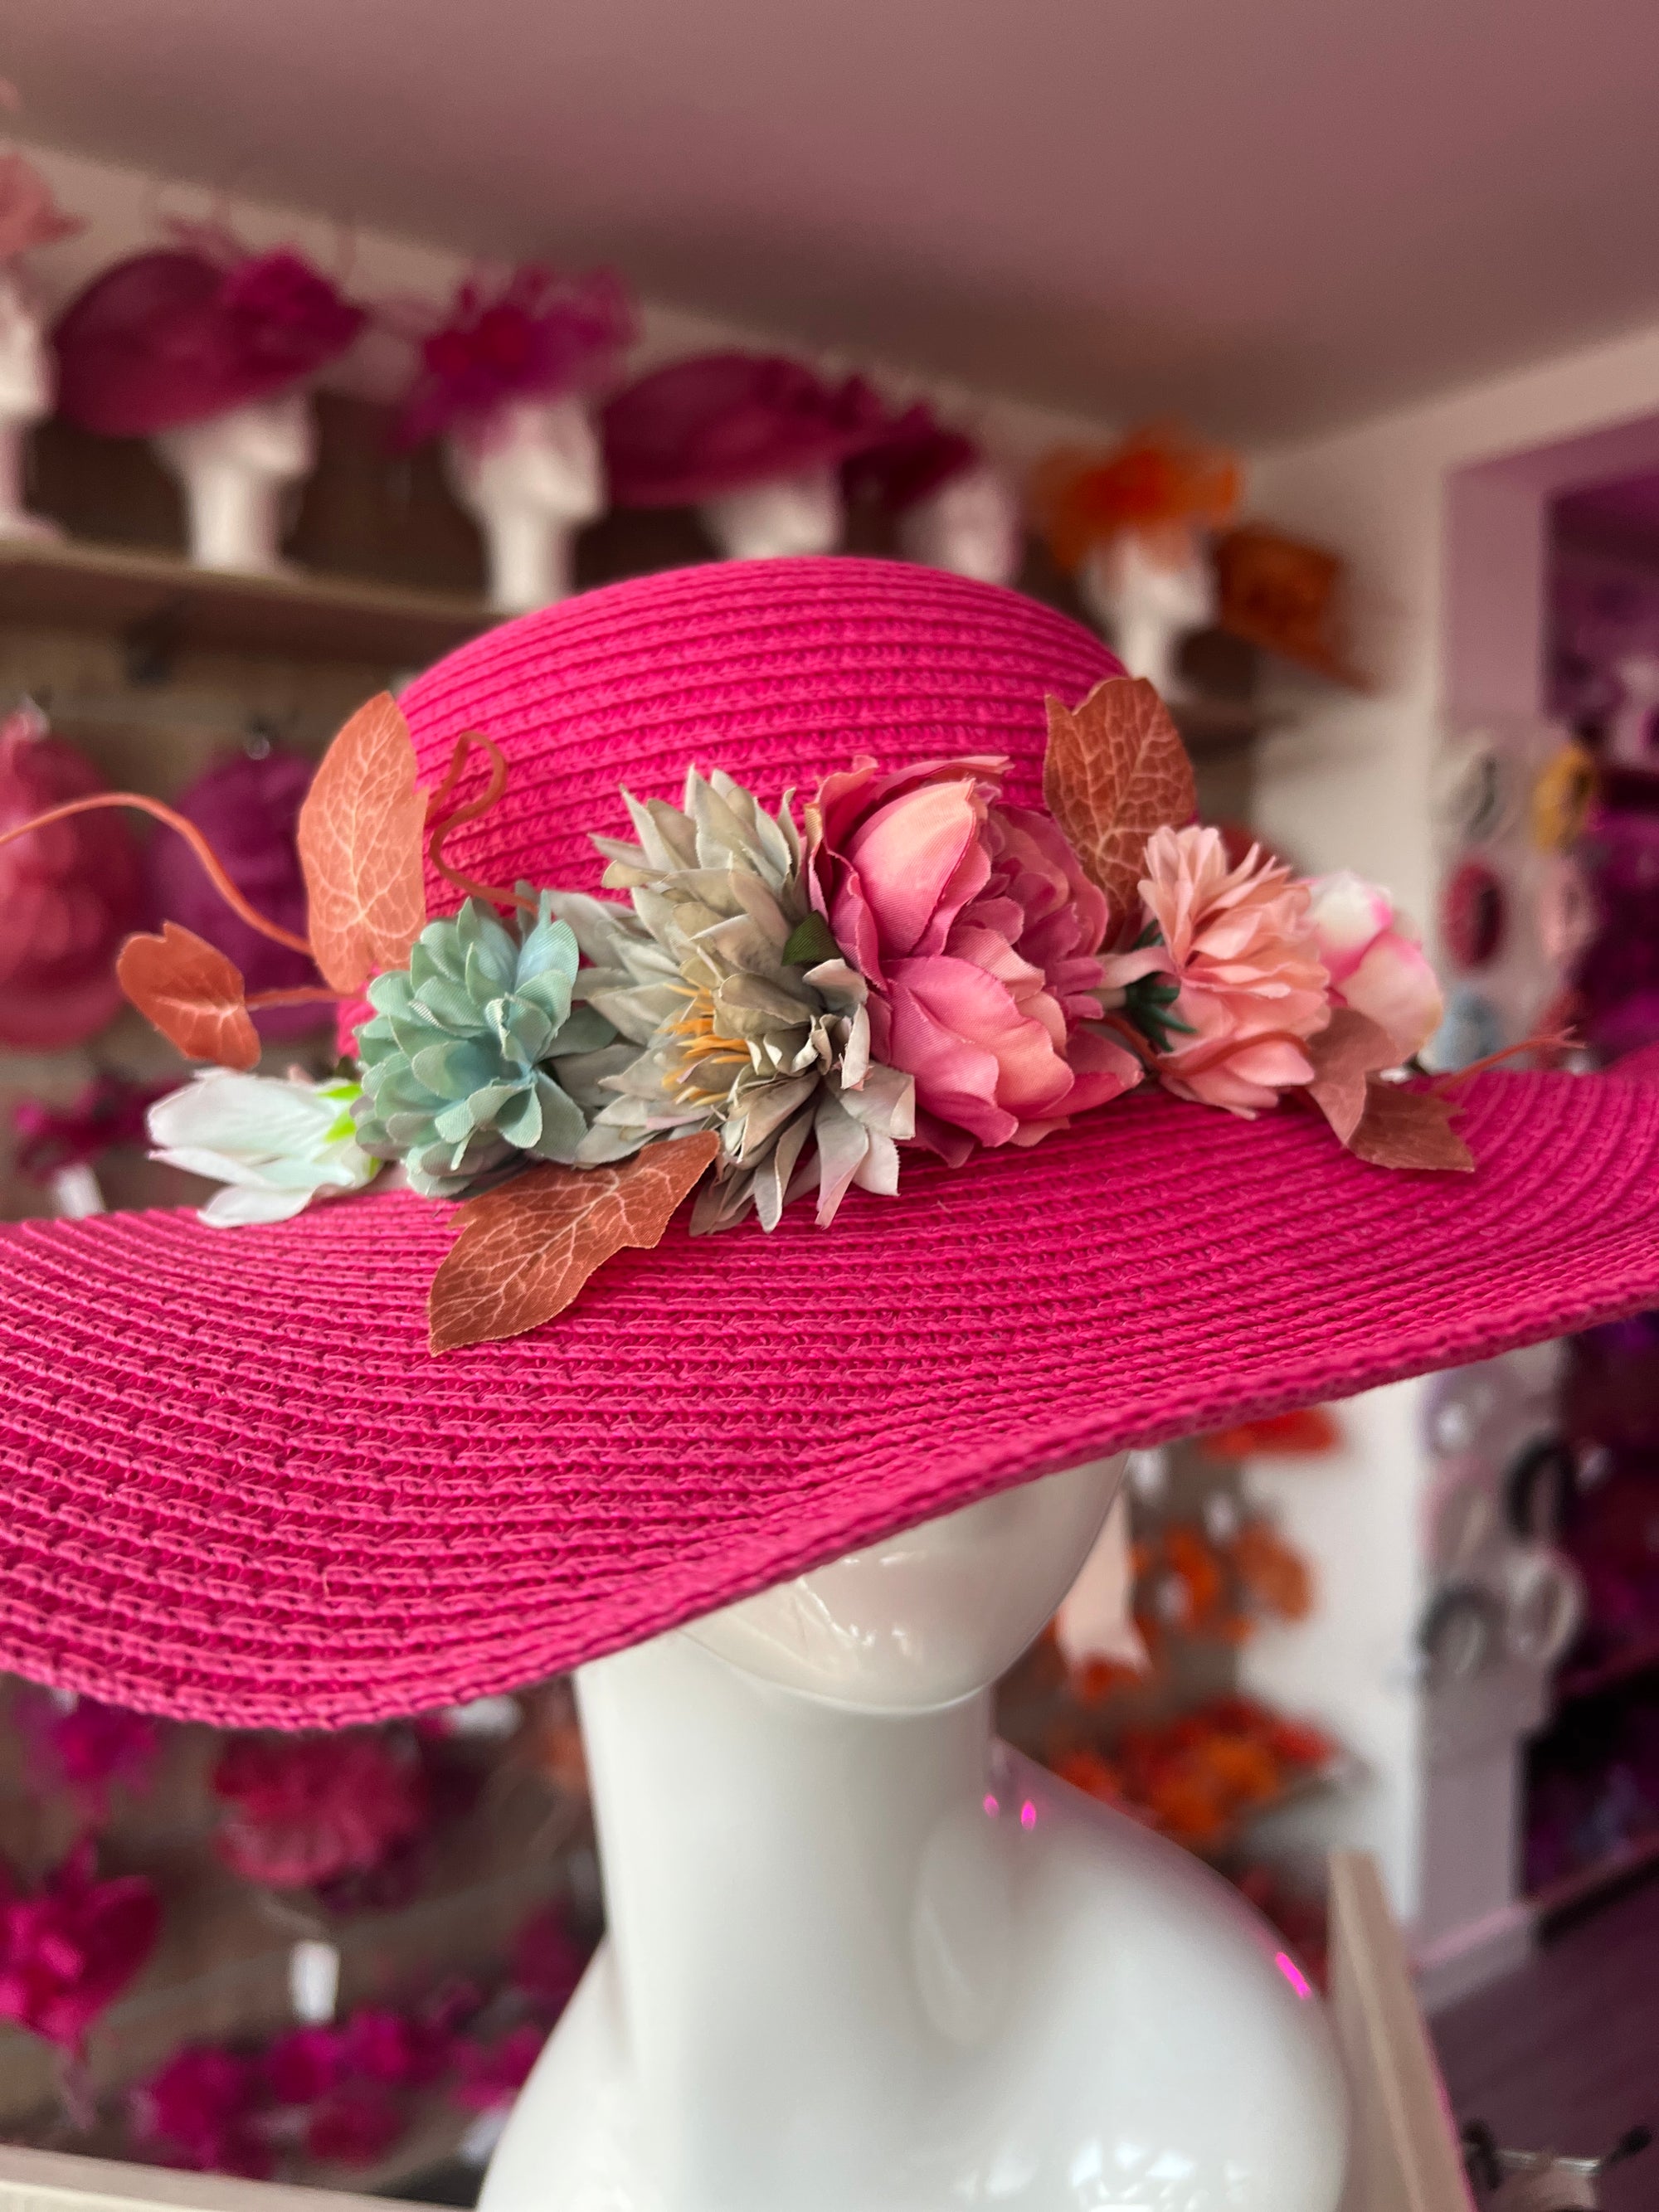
[303, 995]
[1546, 1040]
[192, 835]
[487, 799]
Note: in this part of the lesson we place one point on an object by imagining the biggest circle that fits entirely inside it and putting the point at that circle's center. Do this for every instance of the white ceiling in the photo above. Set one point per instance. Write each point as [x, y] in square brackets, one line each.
[1267, 213]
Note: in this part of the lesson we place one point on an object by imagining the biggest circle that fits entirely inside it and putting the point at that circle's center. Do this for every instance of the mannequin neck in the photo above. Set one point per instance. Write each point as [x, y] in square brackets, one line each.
[233, 513]
[781, 1874]
[529, 553]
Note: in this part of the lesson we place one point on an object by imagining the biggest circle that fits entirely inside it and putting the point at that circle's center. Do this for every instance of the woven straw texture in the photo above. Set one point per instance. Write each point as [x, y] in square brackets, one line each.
[234, 1487]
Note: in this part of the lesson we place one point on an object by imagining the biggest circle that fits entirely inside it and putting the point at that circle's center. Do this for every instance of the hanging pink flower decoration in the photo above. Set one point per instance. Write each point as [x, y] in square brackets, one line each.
[355, 2125]
[86, 1746]
[201, 2112]
[980, 936]
[1244, 985]
[69, 1949]
[305, 2064]
[1374, 961]
[398, 2049]
[491, 2075]
[306, 1810]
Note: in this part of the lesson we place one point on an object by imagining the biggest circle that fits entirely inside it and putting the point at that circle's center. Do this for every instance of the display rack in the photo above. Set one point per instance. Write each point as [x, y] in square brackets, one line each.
[160, 605]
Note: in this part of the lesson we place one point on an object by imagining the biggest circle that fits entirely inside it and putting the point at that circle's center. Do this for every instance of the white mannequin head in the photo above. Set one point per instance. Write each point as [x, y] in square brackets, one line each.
[928, 1618]
[1148, 599]
[534, 457]
[27, 384]
[233, 469]
[800, 513]
[972, 526]
[273, 440]
[529, 478]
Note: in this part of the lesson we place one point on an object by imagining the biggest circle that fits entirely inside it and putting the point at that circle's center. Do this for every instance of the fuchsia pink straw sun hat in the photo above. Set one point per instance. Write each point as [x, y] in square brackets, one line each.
[1108, 1130]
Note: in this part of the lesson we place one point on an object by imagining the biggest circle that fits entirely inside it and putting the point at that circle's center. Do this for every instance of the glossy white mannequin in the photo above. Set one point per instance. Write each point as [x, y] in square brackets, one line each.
[861, 1959]
[28, 395]
[801, 513]
[530, 479]
[233, 469]
[1148, 602]
[972, 526]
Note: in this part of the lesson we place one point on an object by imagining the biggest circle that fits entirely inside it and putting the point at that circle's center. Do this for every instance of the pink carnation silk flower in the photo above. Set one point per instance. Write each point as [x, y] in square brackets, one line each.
[1373, 959]
[980, 936]
[1238, 944]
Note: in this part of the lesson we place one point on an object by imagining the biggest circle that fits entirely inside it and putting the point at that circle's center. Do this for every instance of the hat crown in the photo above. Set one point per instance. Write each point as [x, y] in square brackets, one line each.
[778, 671]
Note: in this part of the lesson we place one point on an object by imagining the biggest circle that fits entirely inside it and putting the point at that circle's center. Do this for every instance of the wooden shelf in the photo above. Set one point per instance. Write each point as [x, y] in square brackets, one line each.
[1211, 728]
[161, 604]
[1584, 1884]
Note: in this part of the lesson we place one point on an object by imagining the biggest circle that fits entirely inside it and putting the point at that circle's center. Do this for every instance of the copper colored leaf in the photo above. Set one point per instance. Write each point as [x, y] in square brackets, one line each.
[527, 1247]
[361, 831]
[1343, 1053]
[1114, 771]
[189, 992]
[1402, 1127]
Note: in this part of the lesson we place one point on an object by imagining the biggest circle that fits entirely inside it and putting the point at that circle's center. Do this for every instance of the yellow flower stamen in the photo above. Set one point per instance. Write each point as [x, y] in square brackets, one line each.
[706, 1043]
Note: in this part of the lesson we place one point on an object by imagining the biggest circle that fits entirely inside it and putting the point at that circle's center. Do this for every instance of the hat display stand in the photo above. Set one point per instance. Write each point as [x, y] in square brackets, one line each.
[858, 1952]
[530, 475]
[798, 514]
[27, 393]
[236, 471]
[1148, 598]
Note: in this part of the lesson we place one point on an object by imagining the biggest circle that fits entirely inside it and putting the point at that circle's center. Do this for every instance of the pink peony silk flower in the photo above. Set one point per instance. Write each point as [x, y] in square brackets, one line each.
[979, 935]
[1373, 959]
[1244, 985]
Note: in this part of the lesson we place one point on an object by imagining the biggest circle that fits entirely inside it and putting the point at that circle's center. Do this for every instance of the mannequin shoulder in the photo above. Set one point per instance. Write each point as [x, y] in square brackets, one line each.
[1143, 1957]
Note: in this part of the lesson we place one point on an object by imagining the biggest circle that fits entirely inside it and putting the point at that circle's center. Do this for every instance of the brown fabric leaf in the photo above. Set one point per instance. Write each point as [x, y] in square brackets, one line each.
[527, 1247]
[1402, 1127]
[1114, 771]
[1347, 1050]
[361, 832]
[188, 990]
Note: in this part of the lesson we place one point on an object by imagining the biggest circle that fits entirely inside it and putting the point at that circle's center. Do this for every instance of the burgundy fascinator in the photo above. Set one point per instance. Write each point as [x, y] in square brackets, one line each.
[190, 331]
[720, 422]
[538, 336]
[29, 216]
[69, 892]
[909, 461]
[248, 809]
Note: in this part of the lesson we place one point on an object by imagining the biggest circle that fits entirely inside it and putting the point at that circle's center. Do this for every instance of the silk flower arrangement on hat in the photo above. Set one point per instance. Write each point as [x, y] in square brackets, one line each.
[782, 1006]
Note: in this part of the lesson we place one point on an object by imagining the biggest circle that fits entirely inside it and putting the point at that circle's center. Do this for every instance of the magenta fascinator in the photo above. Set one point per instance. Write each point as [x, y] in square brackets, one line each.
[189, 331]
[912, 458]
[538, 336]
[720, 422]
[29, 215]
[248, 809]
